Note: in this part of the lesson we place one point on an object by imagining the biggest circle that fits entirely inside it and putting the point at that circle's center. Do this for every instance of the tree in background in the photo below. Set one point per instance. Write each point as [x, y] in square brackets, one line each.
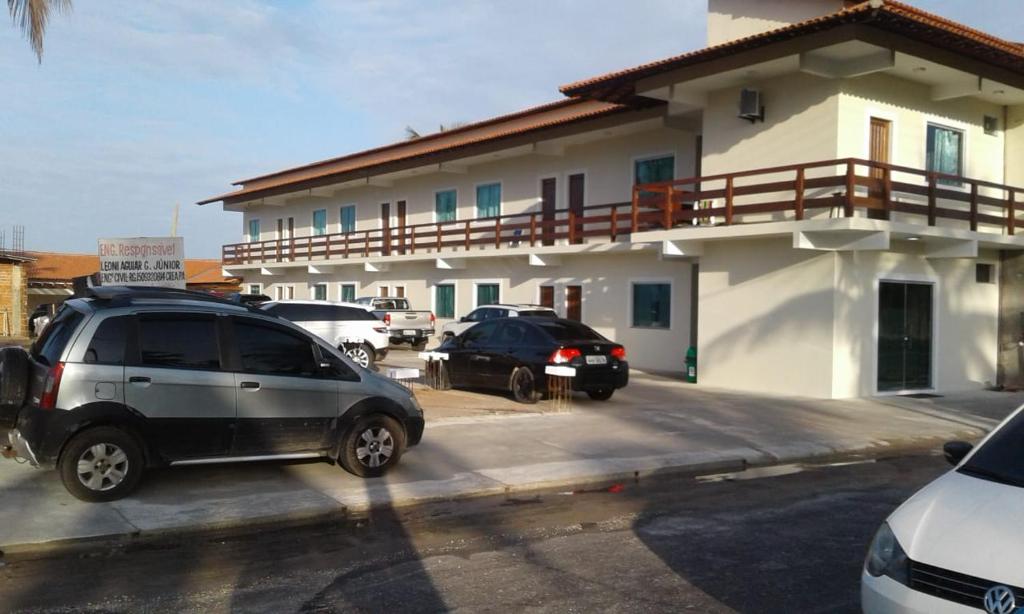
[32, 17]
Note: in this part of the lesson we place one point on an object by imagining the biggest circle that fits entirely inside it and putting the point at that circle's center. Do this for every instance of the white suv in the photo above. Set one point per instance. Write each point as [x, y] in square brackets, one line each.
[351, 328]
[490, 312]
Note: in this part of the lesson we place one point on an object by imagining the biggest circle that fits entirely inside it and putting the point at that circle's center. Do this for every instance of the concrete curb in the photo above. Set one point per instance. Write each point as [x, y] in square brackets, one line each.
[572, 475]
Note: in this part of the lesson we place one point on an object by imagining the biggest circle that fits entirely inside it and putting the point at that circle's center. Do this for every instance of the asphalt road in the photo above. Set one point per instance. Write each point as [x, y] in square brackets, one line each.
[787, 543]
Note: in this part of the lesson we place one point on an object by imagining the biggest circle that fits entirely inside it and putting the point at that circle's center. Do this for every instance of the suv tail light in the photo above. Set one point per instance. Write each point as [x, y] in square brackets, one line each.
[51, 387]
[618, 352]
[387, 319]
[563, 355]
[432, 319]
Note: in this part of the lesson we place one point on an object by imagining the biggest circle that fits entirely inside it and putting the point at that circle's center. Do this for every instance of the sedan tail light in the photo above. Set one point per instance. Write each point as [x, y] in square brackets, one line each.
[563, 355]
[618, 352]
[51, 387]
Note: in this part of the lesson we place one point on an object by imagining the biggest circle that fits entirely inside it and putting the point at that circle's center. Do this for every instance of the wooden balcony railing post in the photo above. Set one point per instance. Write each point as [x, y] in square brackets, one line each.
[467, 235]
[346, 243]
[1011, 214]
[309, 248]
[572, 226]
[327, 247]
[887, 192]
[667, 213]
[728, 200]
[932, 180]
[974, 206]
[278, 258]
[497, 233]
[412, 240]
[798, 202]
[615, 223]
[851, 189]
[533, 229]
[636, 211]
[366, 244]
[291, 248]
[439, 237]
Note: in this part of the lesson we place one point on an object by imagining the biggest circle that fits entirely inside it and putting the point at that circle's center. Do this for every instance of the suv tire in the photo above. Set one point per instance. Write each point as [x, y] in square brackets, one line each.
[101, 464]
[362, 354]
[372, 446]
[524, 388]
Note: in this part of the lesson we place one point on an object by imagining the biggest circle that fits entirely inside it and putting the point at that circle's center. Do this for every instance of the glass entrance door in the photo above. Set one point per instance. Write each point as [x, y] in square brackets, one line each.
[904, 336]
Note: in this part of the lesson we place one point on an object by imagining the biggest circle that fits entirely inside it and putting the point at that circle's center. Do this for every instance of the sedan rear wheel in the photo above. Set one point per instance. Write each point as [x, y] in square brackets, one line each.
[524, 389]
[602, 394]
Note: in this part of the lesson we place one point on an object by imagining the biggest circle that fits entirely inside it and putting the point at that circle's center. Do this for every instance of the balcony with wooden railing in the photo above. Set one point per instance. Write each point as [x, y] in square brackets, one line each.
[846, 187]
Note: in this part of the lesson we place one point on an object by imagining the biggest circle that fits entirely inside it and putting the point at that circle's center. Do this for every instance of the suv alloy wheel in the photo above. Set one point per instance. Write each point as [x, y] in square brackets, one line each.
[101, 464]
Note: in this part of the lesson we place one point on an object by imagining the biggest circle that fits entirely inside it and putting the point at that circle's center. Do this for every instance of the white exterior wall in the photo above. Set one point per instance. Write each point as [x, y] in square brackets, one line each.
[732, 19]
[605, 281]
[910, 108]
[607, 163]
[765, 318]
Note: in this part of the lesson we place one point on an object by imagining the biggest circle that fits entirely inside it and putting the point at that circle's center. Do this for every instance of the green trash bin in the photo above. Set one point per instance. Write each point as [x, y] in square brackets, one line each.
[691, 365]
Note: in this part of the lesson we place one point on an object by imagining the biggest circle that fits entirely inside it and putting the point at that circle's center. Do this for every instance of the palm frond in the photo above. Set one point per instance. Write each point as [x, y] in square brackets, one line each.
[32, 16]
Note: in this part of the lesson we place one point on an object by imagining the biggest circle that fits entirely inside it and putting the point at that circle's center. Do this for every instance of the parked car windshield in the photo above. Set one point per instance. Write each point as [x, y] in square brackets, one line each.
[562, 330]
[1001, 459]
[50, 345]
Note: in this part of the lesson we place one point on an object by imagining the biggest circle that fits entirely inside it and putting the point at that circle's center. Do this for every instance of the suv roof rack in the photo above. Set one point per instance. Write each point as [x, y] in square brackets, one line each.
[127, 294]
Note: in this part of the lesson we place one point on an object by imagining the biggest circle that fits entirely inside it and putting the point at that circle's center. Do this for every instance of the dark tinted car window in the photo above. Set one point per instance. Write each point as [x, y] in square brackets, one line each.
[179, 342]
[542, 313]
[475, 315]
[1002, 457]
[269, 350]
[50, 345]
[107, 344]
[514, 333]
[569, 331]
[479, 334]
[319, 313]
[352, 313]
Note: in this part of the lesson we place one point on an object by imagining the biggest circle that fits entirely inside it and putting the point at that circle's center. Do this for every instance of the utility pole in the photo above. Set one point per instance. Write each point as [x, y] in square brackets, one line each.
[174, 221]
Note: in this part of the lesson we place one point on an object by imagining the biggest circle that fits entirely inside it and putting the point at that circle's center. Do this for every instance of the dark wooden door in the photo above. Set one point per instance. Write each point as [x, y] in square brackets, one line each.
[576, 183]
[879, 147]
[548, 193]
[547, 296]
[574, 303]
[385, 224]
[401, 226]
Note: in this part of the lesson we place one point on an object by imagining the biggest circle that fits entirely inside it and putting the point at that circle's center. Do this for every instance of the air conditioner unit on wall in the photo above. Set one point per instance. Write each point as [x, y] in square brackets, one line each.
[751, 108]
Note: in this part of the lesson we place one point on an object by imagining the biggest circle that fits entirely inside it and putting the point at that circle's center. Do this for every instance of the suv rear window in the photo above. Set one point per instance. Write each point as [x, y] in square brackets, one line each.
[107, 344]
[319, 313]
[540, 313]
[50, 345]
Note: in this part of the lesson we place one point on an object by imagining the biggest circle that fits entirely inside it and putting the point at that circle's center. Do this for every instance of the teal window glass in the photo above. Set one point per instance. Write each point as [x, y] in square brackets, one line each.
[320, 292]
[319, 222]
[652, 305]
[348, 218]
[348, 293]
[444, 205]
[488, 200]
[655, 170]
[946, 152]
[254, 230]
[487, 294]
[444, 301]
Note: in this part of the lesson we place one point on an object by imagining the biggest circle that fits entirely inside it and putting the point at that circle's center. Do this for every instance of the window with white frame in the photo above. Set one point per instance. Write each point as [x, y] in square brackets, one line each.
[445, 205]
[651, 305]
[444, 301]
[488, 200]
[488, 294]
[348, 218]
[255, 288]
[319, 292]
[289, 293]
[254, 230]
[945, 148]
[348, 293]
[319, 222]
[278, 292]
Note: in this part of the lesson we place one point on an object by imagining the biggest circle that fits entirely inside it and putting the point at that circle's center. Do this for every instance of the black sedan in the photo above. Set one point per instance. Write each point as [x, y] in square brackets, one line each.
[512, 354]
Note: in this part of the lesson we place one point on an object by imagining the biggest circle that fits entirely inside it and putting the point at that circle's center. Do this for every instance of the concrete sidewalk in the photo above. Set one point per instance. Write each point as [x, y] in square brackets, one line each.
[655, 425]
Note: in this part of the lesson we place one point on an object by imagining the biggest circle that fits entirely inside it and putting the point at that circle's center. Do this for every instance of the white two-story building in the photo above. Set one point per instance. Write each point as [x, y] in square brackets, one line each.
[822, 201]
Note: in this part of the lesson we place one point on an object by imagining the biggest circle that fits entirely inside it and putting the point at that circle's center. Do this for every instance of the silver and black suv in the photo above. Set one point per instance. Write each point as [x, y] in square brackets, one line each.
[131, 378]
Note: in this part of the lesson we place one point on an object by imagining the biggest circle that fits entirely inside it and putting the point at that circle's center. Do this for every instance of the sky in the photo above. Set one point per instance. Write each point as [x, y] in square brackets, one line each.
[139, 106]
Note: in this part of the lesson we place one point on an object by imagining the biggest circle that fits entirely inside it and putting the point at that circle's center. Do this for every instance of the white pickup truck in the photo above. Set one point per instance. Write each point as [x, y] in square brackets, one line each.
[404, 325]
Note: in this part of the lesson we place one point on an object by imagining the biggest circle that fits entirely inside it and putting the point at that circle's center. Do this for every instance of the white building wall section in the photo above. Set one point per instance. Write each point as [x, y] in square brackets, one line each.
[605, 281]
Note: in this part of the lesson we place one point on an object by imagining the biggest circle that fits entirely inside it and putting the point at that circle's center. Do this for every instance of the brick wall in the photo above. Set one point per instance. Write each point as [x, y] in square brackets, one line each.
[13, 299]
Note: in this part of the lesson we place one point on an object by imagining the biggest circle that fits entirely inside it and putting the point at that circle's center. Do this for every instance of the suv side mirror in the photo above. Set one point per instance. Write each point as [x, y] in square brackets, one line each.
[955, 451]
[464, 319]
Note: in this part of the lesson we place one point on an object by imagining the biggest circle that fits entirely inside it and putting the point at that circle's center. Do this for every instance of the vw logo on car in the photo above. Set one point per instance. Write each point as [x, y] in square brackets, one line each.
[1000, 600]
